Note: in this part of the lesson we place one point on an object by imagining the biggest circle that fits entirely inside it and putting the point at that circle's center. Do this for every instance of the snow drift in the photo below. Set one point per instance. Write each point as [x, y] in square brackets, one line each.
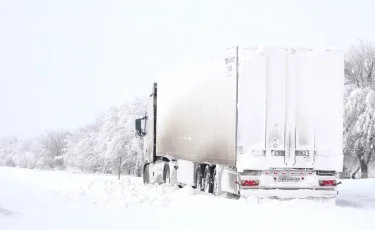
[35, 199]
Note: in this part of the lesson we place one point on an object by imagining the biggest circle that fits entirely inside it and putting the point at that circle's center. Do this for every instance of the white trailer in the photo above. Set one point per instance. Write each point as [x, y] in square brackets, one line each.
[253, 121]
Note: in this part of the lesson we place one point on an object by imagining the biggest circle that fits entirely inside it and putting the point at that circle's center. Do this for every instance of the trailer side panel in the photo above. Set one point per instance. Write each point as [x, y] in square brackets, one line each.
[197, 113]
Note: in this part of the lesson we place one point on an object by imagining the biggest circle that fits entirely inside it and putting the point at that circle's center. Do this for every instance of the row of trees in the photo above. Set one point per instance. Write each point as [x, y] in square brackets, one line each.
[103, 144]
[41, 152]
[98, 146]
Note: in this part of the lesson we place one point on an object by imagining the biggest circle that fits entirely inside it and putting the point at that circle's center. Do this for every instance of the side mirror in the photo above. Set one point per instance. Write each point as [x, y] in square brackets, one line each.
[138, 126]
[140, 131]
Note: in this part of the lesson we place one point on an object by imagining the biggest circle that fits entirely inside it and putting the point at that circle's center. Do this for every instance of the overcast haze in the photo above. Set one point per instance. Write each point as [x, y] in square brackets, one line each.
[64, 62]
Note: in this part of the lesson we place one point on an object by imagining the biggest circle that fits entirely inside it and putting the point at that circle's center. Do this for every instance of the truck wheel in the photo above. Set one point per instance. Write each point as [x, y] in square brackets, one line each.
[146, 174]
[199, 176]
[166, 174]
[207, 182]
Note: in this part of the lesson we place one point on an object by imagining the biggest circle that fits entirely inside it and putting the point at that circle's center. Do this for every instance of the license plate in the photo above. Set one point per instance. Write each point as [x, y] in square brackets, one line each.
[288, 179]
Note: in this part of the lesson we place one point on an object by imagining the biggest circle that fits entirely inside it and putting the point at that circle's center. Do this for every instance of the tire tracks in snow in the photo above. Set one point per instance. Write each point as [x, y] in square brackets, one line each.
[5, 212]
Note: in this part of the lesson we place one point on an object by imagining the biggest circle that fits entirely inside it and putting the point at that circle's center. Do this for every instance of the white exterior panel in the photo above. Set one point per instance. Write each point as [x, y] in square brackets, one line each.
[329, 111]
[290, 110]
[196, 112]
[290, 104]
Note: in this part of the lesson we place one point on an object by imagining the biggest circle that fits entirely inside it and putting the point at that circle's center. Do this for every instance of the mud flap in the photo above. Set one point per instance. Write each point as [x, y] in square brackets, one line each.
[230, 181]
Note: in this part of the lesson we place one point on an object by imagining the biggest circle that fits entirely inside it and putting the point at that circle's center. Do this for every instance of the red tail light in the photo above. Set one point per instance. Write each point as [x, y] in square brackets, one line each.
[249, 183]
[327, 183]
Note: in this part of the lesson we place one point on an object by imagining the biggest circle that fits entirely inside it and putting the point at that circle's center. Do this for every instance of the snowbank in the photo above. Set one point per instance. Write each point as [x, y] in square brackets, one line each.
[357, 193]
[103, 189]
[84, 201]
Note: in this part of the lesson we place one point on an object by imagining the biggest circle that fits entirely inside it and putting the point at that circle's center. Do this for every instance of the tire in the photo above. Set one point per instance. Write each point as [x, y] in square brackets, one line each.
[199, 176]
[215, 189]
[208, 182]
[166, 174]
[146, 174]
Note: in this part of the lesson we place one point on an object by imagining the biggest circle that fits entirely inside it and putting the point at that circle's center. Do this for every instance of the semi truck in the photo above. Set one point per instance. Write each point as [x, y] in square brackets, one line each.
[251, 121]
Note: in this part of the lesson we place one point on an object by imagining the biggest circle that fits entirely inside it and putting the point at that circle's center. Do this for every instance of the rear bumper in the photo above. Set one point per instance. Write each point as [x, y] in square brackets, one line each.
[289, 193]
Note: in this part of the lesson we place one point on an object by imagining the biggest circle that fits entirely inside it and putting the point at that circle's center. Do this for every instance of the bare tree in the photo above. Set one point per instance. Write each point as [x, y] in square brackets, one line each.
[360, 65]
[54, 144]
[359, 120]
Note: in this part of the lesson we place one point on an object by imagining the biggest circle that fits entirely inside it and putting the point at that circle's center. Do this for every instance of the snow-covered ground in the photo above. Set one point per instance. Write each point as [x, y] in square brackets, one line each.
[38, 200]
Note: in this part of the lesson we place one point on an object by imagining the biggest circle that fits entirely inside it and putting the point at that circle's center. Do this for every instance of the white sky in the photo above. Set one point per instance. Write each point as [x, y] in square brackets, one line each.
[64, 62]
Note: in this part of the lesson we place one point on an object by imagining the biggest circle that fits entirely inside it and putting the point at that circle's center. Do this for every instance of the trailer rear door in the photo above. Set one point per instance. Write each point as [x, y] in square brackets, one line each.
[283, 107]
